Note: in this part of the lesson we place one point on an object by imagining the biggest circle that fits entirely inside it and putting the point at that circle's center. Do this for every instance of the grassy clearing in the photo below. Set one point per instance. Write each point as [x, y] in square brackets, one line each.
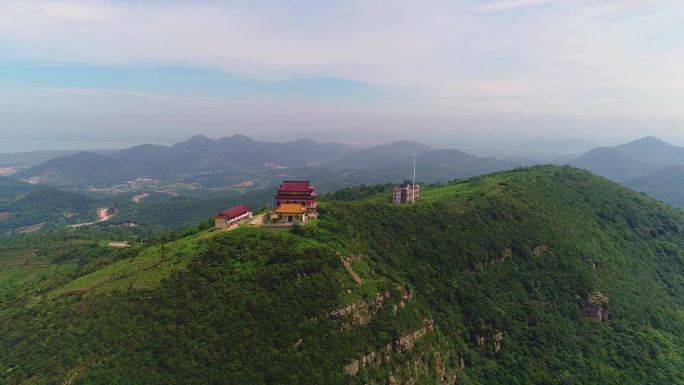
[144, 271]
[22, 273]
[372, 284]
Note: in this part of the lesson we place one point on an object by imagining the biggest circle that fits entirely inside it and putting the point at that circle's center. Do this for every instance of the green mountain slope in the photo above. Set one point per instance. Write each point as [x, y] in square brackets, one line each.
[10, 188]
[538, 276]
[614, 164]
[83, 168]
[45, 207]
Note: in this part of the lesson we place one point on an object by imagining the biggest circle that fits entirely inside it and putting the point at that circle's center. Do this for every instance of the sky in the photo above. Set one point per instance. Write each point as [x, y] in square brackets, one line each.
[107, 73]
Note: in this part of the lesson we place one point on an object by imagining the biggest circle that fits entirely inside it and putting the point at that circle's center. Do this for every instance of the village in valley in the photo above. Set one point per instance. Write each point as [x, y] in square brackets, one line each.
[295, 202]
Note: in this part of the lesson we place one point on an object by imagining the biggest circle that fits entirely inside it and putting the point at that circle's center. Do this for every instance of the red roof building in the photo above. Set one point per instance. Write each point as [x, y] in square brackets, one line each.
[232, 217]
[297, 191]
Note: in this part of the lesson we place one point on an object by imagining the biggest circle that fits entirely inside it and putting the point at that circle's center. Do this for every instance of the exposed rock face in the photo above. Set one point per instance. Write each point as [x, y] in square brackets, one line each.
[423, 370]
[406, 343]
[480, 341]
[496, 339]
[539, 250]
[440, 369]
[595, 307]
[360, 312]
[406, 295]
[403, 344]
[352, 368]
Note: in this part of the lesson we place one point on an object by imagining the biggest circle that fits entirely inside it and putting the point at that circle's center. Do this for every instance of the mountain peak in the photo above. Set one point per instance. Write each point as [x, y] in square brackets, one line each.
[199, 138]
[648, 140]
[305, 141]
[196, 140]
[241, 137]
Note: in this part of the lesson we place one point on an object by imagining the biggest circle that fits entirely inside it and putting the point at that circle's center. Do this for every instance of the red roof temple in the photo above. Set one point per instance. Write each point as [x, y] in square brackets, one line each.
[297, 191]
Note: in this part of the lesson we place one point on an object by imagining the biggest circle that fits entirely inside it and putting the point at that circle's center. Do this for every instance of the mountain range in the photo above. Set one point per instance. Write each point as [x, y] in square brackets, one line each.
[212, 166]
[631, 160]
[649, 165]
[546, 275]
[197, 154]
[200, 155]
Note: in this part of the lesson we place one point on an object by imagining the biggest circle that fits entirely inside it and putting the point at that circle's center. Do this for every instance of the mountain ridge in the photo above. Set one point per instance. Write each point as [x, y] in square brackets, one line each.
[239, 154]
[539, 275]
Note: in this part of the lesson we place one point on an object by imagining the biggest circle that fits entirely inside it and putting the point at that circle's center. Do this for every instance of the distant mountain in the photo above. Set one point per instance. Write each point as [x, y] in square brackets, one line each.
[447, 164]
[77, 169]
[631, 160]
[22, 160]
[386, 155]
[648, 165]
[307, 151]
[197, 154]
[154, 160]
[195, 143]
[666, 184]
[449, 158]
[653, 151]
[613, 163]
[249, 159]
[248, 153]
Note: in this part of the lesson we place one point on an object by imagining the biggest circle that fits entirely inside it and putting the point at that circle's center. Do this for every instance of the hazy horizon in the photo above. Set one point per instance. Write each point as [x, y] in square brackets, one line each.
[78, 74]
[477, 147]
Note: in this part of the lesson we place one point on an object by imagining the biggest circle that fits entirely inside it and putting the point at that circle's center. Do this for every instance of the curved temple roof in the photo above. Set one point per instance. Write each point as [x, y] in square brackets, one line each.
[295, 185]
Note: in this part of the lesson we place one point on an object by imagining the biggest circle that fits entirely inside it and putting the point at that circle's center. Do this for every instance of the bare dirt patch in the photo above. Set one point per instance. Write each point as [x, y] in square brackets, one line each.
[139, 198]
[106, 213]
[30, 229]
[119, 244]
[247, 183]
[4, 215]
[103, 214]
[6, 171]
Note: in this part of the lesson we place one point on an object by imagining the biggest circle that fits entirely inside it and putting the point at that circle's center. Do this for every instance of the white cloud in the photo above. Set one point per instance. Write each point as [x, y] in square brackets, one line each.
[567, 57]
[507, 5]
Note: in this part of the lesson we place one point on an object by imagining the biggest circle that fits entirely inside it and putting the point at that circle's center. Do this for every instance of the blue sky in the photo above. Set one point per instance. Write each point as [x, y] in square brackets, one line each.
[357, 71]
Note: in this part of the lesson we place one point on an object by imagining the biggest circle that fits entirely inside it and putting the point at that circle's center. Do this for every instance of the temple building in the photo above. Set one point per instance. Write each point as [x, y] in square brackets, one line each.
[297, 191]
[291, 213]
[295, 202]
[232, 217]
[405, 193]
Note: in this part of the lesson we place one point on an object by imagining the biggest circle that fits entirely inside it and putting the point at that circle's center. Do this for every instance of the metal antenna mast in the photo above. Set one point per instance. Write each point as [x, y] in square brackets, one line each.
[413, 193]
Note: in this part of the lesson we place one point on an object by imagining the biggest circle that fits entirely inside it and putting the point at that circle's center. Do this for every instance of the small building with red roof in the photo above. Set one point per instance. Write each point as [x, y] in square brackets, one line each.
[232, 217]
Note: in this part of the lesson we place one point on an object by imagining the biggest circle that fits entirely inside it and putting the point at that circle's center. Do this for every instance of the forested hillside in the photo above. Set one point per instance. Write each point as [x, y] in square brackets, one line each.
[545, 275]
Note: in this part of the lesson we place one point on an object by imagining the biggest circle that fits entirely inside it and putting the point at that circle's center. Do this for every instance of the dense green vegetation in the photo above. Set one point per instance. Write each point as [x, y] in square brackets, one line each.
[161, 212]
[505, 265]
[10, 187]
[48, 206]
[22, 204]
